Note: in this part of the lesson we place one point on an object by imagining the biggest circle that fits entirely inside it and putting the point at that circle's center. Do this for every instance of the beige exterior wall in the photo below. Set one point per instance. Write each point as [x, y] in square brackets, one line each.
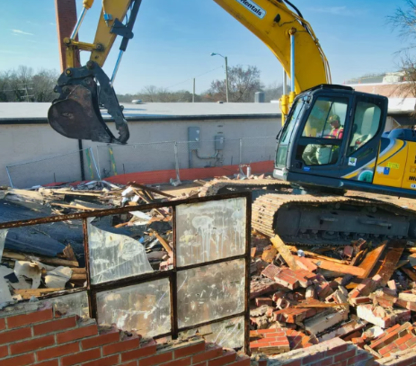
[28, 142]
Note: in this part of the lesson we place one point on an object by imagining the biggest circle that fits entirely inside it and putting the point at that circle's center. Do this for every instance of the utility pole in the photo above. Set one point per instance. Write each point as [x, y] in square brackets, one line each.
[226, 73]
[193, 92]
[226, 78]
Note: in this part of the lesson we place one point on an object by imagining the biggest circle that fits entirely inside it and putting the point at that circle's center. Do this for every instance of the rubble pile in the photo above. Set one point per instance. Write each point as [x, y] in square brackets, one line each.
[48, 258]
[359, 293]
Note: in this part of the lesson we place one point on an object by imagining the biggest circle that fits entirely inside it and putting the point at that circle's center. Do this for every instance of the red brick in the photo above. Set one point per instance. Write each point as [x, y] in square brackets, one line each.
[205, 364]
[22, 360]
[227, 358]
[2, 324]
[336, 350]
[78, 333]
[344, 356]
[137, 353]
[49, 363]
[242, 362]
[342, 363]
[324, 362]
[180, 362]
[108, 361]
[155, 360]
[66, 349]
[122, 346]
[101, 340]
[31, 318]
[404, 339]
[190, 350]
[55, 325]
[15, 335]
[411, 342]
[312, 358]
[80, 357]
[213, 353]
[4, 351]
[33, 344]
[293, 363]
[361, 357]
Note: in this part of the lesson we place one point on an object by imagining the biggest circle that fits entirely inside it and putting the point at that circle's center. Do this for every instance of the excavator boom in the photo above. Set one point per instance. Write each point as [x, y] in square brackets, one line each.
[76, 112]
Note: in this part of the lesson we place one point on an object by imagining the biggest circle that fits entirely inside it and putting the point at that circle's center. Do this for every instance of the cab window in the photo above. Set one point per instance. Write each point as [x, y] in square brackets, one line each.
[367, 121]
[326, 121]
[321, 122]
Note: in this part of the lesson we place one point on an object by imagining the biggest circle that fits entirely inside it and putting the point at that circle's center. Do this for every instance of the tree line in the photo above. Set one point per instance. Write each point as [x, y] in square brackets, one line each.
[25, 85]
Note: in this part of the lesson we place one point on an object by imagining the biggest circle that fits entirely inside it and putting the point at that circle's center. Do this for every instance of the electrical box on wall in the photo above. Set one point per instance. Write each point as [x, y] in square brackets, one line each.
[219, 142]
[194, 138]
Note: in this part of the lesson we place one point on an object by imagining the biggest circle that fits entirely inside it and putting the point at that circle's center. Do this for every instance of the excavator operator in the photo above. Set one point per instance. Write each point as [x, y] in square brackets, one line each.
[337, 130]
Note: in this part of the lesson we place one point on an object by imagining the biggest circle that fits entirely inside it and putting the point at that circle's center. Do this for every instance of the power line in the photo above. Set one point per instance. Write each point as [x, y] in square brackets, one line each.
[187, 80]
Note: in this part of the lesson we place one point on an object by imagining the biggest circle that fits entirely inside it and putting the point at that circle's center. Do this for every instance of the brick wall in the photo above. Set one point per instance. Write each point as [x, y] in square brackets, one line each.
[66, 18]
[38, 334]
[45, 337]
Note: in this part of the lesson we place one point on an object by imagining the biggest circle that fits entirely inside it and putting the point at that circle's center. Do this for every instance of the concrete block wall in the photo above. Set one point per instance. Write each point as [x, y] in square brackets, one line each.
[44, 337]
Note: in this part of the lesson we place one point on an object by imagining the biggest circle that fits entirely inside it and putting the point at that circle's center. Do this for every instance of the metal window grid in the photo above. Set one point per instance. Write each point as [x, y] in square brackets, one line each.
[94, 289]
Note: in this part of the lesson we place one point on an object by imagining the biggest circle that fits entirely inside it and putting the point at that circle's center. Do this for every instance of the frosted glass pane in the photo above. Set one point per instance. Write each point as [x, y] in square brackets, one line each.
[144, 308]
[72, 304]
[115, 256]
[210, 230]
[210, 292]
[228, 334]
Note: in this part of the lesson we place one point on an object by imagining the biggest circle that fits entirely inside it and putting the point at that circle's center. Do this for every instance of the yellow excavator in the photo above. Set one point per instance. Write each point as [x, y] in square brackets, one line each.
[332, 140]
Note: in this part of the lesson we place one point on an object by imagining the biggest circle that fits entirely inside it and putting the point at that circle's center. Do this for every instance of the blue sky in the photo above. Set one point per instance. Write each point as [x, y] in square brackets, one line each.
[174, 38]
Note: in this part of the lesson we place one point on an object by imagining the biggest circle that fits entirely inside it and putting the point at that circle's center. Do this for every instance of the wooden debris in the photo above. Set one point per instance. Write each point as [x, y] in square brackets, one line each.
[28, 293]
[69, 253]
[146, 188]
[411, 273]
[284, 252]
[394, 251]
[371, 260]
[317, 256]
[320, 305]
[46, 260]
[162, 241]
[339, 268]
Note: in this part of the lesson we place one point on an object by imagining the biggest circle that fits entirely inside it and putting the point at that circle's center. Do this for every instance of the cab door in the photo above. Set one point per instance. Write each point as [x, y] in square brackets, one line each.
[364, 136]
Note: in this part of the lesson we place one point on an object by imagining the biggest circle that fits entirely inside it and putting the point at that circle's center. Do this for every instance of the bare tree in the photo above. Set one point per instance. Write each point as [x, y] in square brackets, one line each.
[243, 83]
[403, 21]
[23, 85]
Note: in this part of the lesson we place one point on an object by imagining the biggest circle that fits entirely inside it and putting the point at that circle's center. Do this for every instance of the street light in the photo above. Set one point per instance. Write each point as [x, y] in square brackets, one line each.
[226, 73]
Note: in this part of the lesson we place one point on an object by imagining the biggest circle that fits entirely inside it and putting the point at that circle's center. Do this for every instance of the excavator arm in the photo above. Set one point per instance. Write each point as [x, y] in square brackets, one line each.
[76, 114]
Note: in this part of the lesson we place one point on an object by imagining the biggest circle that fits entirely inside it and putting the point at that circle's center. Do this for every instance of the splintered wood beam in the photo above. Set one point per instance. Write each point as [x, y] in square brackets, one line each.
[321, 305]
[371, 260]
[284, 251]
[388, 265]
[409, 273]
[146, 188]
[47, 260]
[162, 241]
[339, 268]
[293, 249]
[28, 293]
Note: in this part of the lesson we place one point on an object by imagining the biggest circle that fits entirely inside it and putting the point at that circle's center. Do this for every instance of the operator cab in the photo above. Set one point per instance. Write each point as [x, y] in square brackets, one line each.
[331, 131]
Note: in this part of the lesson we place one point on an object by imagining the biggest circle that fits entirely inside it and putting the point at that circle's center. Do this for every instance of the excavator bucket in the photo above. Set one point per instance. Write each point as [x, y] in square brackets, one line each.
[78, 116]
[76, 113]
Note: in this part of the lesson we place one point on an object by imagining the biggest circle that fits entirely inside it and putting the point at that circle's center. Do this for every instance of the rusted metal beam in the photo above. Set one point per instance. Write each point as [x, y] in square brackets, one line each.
[247, 255]
[116, 211]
